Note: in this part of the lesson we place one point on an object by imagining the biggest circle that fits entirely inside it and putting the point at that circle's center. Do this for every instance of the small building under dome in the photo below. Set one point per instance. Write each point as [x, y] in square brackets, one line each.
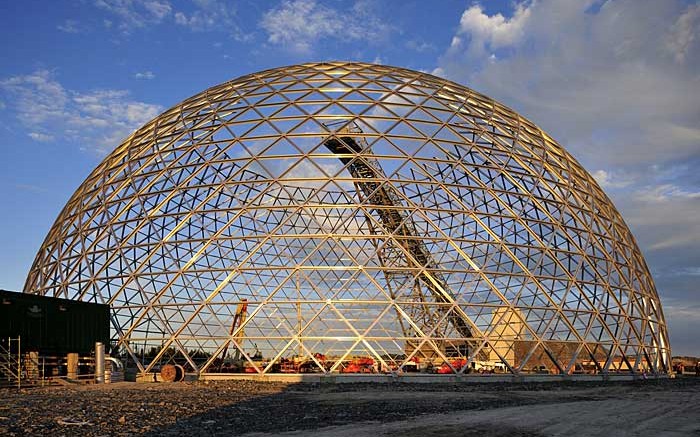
[344, 217]
[51, 326]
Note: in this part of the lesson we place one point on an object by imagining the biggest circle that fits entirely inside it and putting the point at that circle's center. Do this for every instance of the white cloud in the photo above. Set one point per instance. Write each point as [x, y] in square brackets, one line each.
[661, 204]
[136, 14]
[38, 97]
[491, 32]
[690, 271]
[158, 9]
[420, 46]
[663, 217]
[607, 179]
[211, 15]
[181, 19]
[96, 120]
[69, 26]
[684, 33]
[592, 74]
[42, 138]
[299, 24]
[665, 193]
[438, 71]
[675, 309]
[199, 15]
[147, 75]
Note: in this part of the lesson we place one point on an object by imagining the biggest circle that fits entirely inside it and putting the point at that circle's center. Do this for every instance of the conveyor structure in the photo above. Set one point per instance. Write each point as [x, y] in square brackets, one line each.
[350, 146]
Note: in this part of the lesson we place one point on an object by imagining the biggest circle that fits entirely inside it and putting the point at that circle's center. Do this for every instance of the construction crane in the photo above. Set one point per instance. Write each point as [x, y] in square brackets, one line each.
[238, 319]
[349, 144]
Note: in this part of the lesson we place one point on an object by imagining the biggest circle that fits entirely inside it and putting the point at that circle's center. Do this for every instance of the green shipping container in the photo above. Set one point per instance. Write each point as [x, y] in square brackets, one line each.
[51, 325]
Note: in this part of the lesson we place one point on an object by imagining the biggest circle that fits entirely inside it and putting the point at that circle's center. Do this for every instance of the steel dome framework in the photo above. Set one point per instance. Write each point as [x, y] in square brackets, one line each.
[324, 213]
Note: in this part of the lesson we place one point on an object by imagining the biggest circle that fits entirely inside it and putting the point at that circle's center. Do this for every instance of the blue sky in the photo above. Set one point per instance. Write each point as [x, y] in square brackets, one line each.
[617, 83]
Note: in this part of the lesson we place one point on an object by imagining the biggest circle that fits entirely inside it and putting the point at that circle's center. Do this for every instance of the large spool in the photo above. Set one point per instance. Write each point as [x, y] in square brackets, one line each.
[172, 373]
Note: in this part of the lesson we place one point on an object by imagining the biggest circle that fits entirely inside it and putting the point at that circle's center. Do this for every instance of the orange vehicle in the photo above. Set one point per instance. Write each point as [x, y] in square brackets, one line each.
[359, 365]
[457, 364]
[310, 366]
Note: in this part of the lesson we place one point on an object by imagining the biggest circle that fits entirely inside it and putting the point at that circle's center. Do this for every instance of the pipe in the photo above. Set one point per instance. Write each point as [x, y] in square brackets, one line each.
[99, 363]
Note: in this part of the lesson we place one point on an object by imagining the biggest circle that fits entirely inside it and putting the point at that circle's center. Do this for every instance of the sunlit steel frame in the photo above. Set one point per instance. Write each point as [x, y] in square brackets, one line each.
[231, 195]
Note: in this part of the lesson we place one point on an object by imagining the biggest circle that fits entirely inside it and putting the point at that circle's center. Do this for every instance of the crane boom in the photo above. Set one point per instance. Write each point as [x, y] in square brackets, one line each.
[238, 319]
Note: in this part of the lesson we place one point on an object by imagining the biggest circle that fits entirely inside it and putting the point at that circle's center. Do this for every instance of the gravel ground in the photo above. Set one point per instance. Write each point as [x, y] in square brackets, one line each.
[241, 407]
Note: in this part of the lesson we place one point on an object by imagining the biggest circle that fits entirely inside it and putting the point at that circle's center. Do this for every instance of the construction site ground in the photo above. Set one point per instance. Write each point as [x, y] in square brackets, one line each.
[668, 407]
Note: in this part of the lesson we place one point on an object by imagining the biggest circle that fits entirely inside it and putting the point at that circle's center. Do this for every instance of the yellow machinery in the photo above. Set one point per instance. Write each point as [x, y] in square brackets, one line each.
[238, 319]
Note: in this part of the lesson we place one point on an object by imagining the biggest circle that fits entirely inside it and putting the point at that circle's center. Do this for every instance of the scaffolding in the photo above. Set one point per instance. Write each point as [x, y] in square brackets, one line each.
[11, 361]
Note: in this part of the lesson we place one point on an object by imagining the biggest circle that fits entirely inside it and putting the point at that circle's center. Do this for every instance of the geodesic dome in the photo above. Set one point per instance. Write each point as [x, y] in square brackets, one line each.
[351, 217]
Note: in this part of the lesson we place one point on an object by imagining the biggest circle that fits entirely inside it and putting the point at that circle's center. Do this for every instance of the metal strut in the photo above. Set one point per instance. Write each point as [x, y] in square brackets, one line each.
[397, 223]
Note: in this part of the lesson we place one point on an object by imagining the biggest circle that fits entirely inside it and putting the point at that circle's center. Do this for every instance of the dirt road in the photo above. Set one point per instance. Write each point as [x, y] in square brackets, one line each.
[628, 414]
[667, 407]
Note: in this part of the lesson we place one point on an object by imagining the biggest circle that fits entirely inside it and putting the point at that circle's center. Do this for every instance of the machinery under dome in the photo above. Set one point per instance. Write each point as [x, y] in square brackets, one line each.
[347, 217]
